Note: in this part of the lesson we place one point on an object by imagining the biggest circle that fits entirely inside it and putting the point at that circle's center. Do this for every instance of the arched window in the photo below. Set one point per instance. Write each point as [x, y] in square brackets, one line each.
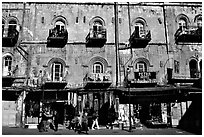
[182, 24]
[139, 29]
[12, 24]
[56, 71]
[60, 26]
[12, 28]
[97, 67]
[141, 66]
[193, 68]
[7, 66]
[97, 25]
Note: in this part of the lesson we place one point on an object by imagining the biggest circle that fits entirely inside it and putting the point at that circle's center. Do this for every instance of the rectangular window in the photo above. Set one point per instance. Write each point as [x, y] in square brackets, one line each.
[97, 68]
[176, 66]
[141, 67]
[84, 19]
[57, 72]
[77, 19]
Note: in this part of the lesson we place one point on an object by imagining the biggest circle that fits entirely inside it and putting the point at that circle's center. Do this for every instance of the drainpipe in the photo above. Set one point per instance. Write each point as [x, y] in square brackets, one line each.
[167, 49]
[116, 39]
[130, 122]
[24, 92]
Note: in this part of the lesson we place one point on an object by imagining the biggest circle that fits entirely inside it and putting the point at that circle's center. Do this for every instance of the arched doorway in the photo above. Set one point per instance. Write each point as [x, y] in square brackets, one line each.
[193, 68]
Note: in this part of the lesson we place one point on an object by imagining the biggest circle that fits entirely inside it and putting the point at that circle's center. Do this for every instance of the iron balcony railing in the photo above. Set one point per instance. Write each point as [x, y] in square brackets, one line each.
[57, 38]
[96, 34]
[98, 78]
[10, 38]
[189, 34]
[142, 34]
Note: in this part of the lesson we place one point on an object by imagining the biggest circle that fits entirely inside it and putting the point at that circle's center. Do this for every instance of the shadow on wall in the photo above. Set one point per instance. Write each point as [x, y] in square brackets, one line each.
[192, 119]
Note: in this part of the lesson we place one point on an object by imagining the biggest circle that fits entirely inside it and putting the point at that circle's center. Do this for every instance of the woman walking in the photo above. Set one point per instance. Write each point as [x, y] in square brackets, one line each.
[95, 120]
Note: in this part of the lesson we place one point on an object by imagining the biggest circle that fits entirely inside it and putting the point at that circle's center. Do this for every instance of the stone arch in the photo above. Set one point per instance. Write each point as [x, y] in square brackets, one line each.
[97, 18]
[139, 20]
[56, 60]
[7, 54]
[183, 17]
[100, 60]
[13, 18]
[197, 17]
[59, 18]
[141, 59]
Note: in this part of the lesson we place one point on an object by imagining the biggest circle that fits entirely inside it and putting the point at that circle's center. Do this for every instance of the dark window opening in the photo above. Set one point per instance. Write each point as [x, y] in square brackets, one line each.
[176, 66]
[193, 69]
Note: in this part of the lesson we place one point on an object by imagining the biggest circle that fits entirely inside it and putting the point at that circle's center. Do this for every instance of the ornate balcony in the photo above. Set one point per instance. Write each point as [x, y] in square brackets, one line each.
[143, 79]
[57, 38]
[97, 80]
[8, 77]
[191, 34]
[140, 39]
[48, 83]
[10, 38]
[178, 78]
[96, 38]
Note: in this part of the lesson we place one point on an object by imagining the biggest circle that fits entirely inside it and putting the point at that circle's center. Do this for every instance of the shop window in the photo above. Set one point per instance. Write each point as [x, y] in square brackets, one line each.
[141, 66]
[97, 67]
[176, 66]
[57, 71]
[7, 66]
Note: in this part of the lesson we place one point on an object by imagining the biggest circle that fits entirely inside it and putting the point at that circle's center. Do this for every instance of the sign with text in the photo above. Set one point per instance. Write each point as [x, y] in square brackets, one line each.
[145, 75]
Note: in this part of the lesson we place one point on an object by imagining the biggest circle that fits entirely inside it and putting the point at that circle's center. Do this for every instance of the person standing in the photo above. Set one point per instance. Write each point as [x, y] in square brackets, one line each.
[85, 122]
[111, 116]
[56, 120]
[44, 121]
[95, 120]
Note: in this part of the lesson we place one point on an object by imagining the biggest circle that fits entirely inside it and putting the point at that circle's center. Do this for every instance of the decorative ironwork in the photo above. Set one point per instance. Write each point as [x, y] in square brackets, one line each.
[189, 34]
[10, 38]
[96, 38]
[99, 80]
[140, 39]
[57, 38]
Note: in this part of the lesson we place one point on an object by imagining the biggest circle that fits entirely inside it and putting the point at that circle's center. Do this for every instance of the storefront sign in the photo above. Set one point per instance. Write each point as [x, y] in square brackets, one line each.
[145, 75]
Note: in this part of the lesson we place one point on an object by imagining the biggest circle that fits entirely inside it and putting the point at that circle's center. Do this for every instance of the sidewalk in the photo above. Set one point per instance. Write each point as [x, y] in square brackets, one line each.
[101, 131]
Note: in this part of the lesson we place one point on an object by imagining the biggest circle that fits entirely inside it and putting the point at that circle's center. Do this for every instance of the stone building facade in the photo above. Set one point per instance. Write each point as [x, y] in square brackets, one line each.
[86, 55]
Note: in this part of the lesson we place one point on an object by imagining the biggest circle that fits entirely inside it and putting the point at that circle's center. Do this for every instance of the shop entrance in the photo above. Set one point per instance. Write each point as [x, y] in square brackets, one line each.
[65, 111]
[59, 107]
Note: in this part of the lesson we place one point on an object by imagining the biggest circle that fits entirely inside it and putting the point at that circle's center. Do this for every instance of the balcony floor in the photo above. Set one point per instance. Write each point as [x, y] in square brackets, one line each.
[54, 85]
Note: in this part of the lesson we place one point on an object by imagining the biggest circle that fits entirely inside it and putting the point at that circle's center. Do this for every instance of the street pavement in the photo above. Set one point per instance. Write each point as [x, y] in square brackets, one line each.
[101, 131]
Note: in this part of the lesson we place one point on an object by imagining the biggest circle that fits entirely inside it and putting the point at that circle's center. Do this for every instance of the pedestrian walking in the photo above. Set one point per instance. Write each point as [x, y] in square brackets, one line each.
[111, 116]
[43, 126]
[85, 122]
[95, 120]
[56, 120]
[77, 127]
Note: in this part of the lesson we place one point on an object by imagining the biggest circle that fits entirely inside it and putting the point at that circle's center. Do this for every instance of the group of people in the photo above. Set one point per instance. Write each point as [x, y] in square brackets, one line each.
[79, 123]
[84, 122]
[49, 120]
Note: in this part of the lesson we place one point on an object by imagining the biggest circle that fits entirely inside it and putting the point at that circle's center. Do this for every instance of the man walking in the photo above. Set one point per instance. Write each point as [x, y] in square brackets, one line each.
[56, 120]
